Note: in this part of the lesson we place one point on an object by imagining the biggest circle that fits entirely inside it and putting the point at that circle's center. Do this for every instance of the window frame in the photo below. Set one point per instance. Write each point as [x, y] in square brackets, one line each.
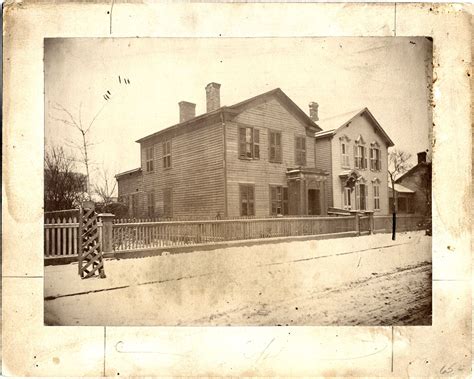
[249, 188]
[376, 193]
[150, 203]
[166, 154]
[278, 147]
[375, 157]
[300, 152]
[168, 205]
[149, 152]
[346, 198]
[254, 142]
[358, 195]
[281, 202]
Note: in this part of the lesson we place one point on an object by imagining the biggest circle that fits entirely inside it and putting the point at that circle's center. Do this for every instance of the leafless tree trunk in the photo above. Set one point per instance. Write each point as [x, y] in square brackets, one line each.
[105, 189]
[397, 165]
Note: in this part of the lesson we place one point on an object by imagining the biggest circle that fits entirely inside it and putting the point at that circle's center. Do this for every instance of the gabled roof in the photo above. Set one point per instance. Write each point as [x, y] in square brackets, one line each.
[413, 169]
[235, 109]
[333, 124]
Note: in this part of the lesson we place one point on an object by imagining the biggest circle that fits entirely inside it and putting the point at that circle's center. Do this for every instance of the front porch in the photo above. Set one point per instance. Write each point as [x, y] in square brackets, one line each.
[307, 191]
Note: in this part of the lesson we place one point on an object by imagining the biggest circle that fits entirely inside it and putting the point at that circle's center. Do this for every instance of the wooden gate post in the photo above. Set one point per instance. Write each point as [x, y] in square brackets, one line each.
[107, 236]
[357, 223]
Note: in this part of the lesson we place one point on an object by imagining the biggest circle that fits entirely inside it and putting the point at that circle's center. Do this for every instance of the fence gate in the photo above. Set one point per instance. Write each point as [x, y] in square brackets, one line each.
[90, 247]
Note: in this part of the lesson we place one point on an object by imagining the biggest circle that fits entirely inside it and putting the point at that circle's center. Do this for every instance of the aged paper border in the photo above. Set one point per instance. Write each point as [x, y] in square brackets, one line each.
[29, 348]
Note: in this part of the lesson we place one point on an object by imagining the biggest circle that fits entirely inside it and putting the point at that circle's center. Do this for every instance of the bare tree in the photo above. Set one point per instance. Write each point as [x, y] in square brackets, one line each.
[64, 188]
[84, 128]
[105, 188]
[398, 164]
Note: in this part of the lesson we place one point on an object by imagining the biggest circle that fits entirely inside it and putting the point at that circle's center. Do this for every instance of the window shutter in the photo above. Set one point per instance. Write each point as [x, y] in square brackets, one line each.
[241, 142]
[278, 147]
[256, 144]
[356, 161]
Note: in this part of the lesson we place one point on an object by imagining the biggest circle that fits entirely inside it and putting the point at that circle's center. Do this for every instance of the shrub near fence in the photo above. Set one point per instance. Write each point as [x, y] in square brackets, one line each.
[129, 236]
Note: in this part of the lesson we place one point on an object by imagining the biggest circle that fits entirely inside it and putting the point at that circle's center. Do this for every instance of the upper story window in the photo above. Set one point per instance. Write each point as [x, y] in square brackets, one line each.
[360, 154]
[274, 144]
[345, 151]
[149, 159]
[167, 154]
[375, 157]
[300, 150]
[249, 143]
[247, 200]
[279, 200]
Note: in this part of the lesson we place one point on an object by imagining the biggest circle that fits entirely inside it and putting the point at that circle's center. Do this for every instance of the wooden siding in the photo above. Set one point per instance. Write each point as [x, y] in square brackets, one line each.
[196, 176]
[322, 154]
[361, 126]
[270, 115]
[130, 184]
[417, 181]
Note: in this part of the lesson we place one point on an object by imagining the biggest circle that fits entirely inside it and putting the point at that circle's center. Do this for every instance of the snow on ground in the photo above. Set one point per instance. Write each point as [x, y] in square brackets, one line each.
[367, 280]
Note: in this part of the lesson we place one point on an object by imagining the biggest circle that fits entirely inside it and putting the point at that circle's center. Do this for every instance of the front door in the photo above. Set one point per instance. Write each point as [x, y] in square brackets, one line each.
[314, 202]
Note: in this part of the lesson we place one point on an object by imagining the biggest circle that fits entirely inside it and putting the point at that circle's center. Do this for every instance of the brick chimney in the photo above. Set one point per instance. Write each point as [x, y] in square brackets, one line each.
[313, 111]
[422, 157]
[187, 111]
[213, 96]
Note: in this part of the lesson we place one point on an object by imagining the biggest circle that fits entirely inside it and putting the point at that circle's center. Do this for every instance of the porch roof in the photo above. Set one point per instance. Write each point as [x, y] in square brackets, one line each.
[401, 189]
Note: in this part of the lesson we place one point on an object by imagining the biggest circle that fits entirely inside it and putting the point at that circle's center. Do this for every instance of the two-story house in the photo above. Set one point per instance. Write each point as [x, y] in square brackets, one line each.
[353, 148]
[261, 157]
[254, 158]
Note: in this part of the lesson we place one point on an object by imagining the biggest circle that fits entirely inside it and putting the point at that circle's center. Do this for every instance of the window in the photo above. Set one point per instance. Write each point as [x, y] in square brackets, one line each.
[249, 143]
[167, 154]
[360, 158]
[274, 144]
[278, 200]
[347, 198]
[151, 203]
[375, 157]
[149, 159]
[376, 196]
[361, 196]
[345, 154]
[167, 202]
[247, 200]
[300, 150]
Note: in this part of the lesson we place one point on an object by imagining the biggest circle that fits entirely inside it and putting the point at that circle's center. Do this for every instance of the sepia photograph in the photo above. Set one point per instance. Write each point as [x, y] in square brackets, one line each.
[238, 181]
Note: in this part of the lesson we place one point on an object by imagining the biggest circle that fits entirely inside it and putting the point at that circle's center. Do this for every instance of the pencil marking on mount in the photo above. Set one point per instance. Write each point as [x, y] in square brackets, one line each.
[264, 350]
[110, 14]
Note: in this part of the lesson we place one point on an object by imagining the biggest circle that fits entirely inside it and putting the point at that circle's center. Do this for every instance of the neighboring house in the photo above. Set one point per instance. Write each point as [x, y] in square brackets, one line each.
[130, 191]
[405, 198]
[353, 149]
[418, 181]
[254, 158]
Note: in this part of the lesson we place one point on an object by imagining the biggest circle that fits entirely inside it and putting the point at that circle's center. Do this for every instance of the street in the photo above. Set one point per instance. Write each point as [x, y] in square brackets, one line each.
[369, 280]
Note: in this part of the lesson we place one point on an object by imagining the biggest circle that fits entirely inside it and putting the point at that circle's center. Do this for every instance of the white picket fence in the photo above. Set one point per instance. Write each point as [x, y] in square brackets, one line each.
[61, 236]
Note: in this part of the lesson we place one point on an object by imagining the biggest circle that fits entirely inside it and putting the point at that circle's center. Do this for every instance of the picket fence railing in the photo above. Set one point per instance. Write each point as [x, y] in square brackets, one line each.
[127, 236]
[61, 236]
[61, 233]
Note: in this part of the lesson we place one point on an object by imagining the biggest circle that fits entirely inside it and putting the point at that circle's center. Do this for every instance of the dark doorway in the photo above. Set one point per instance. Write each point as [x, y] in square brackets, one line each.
[314, 202]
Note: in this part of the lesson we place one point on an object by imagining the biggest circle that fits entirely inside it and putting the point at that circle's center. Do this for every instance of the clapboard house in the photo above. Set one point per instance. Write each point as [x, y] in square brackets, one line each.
[353, 149]
[254, 158]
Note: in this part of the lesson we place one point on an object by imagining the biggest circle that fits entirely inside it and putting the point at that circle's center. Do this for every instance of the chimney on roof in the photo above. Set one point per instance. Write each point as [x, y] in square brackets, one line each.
[422, 157]
[187, 111]
[213, 96]
[313, 111]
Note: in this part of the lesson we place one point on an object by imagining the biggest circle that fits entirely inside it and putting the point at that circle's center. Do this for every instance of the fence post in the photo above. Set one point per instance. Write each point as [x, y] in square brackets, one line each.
[107, 241]
[357, 223]
[371, 223]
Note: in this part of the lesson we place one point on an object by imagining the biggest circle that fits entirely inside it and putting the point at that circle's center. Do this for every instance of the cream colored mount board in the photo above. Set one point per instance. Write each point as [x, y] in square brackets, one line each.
[32, 349]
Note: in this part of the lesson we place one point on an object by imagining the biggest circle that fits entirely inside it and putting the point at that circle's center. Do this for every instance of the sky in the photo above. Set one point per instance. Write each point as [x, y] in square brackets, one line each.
[389, 75]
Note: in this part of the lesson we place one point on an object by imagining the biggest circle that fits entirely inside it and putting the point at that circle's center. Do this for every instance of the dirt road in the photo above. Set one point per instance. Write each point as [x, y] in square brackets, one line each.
[369, 280]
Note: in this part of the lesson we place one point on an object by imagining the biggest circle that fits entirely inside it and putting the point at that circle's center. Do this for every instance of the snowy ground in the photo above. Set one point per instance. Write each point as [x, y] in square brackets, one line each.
[368, 280]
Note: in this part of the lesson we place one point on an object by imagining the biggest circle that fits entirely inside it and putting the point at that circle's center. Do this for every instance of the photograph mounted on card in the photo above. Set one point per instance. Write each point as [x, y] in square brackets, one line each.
[179, 193]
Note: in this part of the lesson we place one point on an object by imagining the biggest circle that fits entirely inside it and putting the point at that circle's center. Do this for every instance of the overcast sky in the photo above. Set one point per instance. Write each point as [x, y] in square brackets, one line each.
[387, 75]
